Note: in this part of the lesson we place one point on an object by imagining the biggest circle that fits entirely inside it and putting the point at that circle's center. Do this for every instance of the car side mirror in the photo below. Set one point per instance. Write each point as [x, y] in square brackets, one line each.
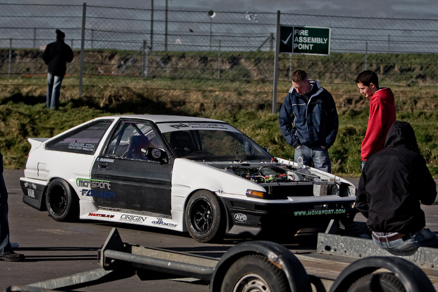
[157, 154]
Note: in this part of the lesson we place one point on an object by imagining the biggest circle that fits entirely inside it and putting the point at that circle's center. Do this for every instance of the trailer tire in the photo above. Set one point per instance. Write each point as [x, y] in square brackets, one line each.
[379, 282]
[256, 273]
[61, 201]
[204, 217]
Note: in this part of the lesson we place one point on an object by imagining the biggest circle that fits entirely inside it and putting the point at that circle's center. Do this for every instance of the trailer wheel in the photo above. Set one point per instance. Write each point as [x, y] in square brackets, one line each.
[379, 282]
[203, 217]
[256, 274]
[61, 201]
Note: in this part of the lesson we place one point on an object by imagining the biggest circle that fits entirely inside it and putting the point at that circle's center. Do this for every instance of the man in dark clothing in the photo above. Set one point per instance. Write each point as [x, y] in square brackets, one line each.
[6, 252]
[312, 111]
[393, 183]
[56, 55]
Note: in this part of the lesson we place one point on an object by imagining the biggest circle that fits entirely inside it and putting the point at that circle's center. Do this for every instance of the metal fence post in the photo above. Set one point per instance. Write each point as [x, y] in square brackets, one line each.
[81, 70]
[10, 58]
[277, 52]
[366, 55]
[219, 61]
[144, 70]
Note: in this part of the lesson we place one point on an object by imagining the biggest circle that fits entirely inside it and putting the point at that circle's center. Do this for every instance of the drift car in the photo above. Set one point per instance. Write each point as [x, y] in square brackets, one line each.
[180, 173]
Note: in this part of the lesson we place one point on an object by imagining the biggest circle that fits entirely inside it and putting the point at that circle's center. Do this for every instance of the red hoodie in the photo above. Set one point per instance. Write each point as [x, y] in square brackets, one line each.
[382, 116]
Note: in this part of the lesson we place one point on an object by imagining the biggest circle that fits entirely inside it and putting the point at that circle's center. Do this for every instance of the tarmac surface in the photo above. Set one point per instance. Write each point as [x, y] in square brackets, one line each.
[57, 249]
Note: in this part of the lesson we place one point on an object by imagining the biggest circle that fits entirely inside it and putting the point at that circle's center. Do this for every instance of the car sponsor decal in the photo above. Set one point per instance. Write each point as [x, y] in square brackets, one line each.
[133, 218]
[81, 146]
[98, 194]
[161, 222]
[101, 215]
[318, 212]
[240, 218]
[105, 160]
[93, 183]
[198, 126]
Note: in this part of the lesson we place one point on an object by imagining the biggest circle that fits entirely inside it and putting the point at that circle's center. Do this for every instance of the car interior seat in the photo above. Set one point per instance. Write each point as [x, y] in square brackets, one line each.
[182, 143]
[136, 143]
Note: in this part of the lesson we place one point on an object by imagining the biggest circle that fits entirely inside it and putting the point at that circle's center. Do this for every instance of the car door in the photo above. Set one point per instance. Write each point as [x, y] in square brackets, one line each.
[123, 178]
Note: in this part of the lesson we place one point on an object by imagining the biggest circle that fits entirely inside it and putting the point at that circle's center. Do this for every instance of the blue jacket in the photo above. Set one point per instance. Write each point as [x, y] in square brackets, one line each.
[315, 122]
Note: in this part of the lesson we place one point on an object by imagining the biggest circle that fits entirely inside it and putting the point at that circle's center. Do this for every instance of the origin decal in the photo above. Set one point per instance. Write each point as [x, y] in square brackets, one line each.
[133, 218]
[99, 194]
[100, 215]
[199, 126]
[242, 219]
[162, 223]
[105, 160]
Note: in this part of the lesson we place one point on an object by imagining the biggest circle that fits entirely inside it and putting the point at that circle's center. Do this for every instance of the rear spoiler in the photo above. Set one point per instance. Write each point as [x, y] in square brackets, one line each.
[35, 142]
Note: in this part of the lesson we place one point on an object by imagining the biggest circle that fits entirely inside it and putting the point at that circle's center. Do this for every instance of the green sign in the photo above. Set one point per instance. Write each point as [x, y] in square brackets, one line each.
[305, 40]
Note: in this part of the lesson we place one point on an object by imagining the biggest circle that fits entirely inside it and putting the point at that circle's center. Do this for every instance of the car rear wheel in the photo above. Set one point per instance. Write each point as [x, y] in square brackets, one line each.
[254, 273]
[204, 217]
[61, 201]
[382, 282]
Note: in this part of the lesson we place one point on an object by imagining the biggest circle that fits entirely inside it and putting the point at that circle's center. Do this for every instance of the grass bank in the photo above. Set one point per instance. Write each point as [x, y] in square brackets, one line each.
[24, 117]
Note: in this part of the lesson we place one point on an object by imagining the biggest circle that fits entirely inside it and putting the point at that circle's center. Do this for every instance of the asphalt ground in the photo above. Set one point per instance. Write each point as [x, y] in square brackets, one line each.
[58, 249]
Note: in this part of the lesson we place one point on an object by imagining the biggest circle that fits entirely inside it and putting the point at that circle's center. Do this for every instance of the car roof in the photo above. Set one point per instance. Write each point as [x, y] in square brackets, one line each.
[164, 118]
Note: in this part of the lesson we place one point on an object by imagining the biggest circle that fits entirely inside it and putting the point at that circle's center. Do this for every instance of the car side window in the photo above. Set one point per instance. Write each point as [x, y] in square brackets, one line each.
[84, 140]
[131, 140]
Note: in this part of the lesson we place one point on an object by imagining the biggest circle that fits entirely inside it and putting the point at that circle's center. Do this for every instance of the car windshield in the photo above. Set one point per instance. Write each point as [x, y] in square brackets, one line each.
[219, 142]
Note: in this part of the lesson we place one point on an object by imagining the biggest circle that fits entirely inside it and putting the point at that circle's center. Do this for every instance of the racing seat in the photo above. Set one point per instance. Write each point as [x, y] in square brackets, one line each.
[182, 143]
[136, 143]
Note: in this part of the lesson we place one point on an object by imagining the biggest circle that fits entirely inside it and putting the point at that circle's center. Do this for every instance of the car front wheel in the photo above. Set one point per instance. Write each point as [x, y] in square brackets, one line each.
[204, 217]
[61, 201]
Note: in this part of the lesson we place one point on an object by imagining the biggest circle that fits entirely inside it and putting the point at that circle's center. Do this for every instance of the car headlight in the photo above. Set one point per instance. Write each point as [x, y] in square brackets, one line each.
[256, 194]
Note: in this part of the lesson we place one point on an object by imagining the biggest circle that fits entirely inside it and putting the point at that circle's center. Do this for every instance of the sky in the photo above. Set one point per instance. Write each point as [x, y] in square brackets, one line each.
[370, 8]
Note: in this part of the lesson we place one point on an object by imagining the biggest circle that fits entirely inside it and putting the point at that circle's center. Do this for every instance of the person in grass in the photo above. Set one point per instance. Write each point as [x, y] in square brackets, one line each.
[382, 113]
[309, 121]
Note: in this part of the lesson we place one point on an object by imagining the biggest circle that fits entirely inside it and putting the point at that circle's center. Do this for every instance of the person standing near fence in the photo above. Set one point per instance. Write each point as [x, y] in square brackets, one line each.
[312, 111]
[56, 55]
[382, 113]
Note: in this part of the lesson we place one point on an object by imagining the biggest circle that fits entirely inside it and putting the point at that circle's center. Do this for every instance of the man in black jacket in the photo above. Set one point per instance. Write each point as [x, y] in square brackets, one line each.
[393, 183]
[56, 55]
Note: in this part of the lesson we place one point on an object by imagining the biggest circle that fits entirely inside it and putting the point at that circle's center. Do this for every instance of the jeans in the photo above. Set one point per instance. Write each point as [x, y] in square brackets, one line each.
[5, 246]
[318, 155]
[424, 237]
[53, 90]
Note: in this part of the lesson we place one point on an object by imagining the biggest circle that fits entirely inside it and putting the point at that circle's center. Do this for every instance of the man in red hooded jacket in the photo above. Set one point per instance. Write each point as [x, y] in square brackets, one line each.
[382, 113]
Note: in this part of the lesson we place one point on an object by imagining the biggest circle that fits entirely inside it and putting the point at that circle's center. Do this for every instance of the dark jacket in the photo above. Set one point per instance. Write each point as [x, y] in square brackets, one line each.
[56, 55]
[393, 183]
[314, 118]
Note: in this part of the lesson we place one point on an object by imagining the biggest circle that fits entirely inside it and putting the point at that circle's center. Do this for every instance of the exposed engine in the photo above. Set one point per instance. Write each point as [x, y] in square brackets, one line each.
[269, 174]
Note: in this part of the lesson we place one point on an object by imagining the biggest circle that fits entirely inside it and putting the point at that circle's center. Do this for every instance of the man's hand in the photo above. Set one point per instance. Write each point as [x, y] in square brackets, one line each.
[323, 147]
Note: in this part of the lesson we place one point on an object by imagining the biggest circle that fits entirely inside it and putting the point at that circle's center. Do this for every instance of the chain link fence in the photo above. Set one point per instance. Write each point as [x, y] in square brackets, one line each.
[211, 57]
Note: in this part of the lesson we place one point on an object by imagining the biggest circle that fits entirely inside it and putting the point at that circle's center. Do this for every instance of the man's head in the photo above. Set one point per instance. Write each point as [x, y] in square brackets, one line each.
[300, 82]
[60, 35]
[368, 83]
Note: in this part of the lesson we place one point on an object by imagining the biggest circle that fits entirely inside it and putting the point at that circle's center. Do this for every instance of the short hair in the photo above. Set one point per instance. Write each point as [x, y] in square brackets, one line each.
[299, 75]
[367, 77]
[59, 34]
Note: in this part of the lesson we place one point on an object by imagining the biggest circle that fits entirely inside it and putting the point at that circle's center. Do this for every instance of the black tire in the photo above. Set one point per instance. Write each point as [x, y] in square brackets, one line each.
[254, 273]
[379, 282]
[204, 217]
[61, 201]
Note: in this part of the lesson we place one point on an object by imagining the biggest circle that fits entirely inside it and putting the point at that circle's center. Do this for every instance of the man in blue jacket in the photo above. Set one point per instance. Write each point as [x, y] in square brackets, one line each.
[309, 121]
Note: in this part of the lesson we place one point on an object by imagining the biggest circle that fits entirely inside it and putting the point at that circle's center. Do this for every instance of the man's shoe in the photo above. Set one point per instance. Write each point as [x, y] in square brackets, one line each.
[12, 257]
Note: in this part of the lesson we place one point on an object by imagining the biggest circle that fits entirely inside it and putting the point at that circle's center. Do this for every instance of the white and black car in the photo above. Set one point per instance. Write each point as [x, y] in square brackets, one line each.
[181, 173]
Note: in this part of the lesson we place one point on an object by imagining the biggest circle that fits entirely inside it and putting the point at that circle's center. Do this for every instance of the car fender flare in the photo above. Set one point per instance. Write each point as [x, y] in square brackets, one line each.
[277, 254]
[224, 207]
[410, 275]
